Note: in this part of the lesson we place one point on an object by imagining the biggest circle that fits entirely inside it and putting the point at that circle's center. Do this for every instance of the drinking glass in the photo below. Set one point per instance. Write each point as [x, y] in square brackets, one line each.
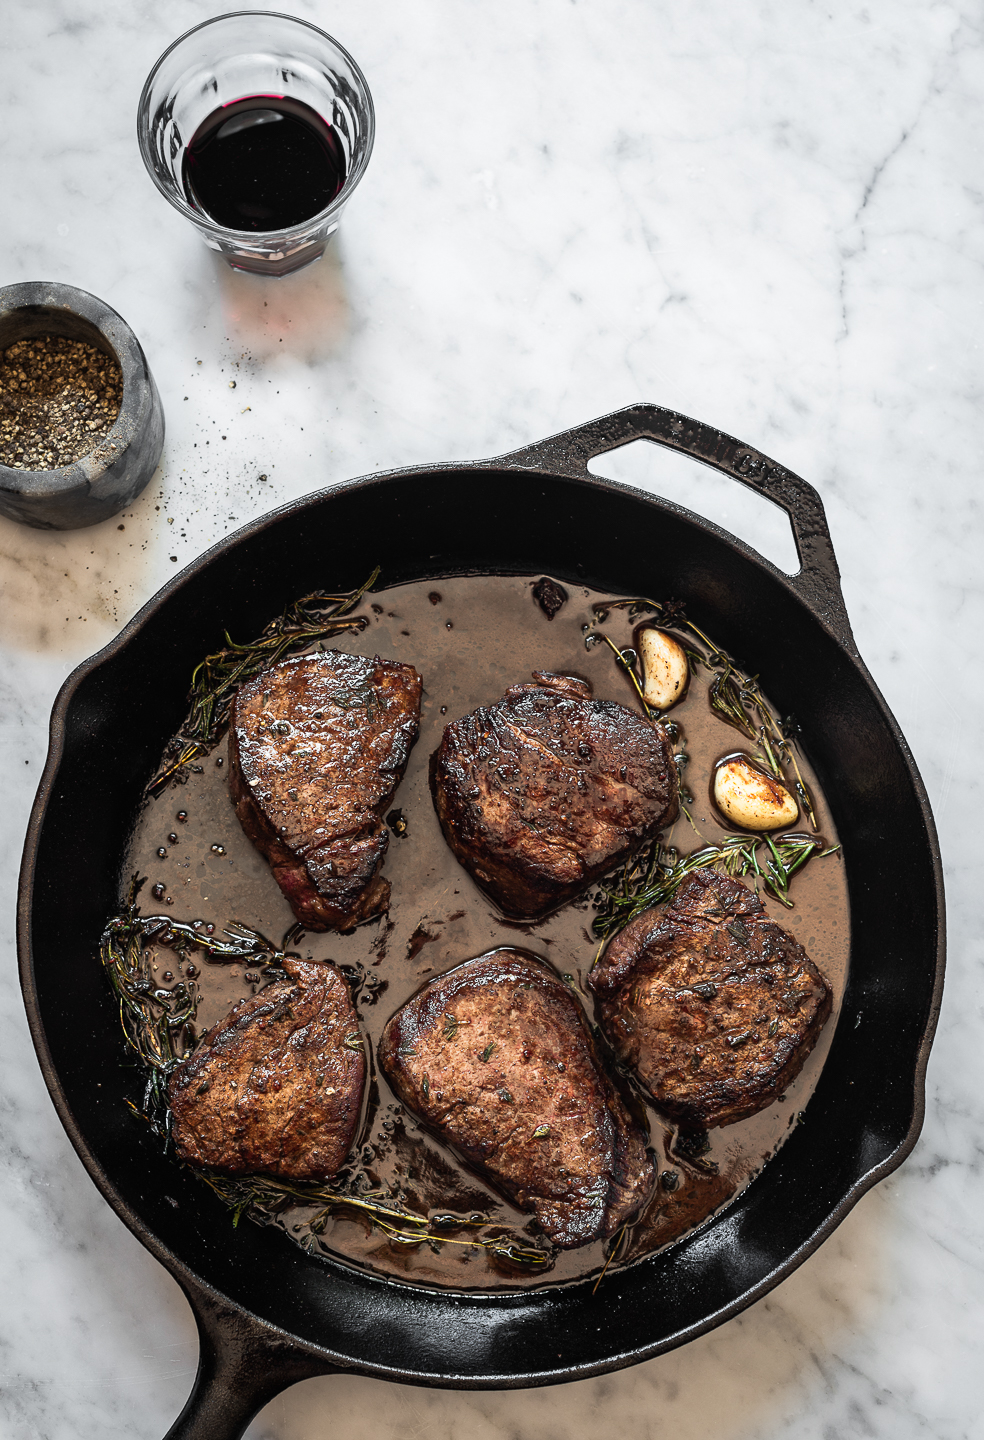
[233, 57]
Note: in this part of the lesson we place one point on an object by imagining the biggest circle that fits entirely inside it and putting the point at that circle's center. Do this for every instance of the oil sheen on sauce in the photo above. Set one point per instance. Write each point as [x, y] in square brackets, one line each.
[470, 638]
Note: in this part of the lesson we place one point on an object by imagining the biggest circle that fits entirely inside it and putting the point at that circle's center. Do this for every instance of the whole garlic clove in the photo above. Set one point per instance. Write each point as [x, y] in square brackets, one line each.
[665, 670]
[749, 798]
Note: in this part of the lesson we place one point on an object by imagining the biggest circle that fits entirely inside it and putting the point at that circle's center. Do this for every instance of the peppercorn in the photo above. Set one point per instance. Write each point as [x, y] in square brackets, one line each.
[58, 399]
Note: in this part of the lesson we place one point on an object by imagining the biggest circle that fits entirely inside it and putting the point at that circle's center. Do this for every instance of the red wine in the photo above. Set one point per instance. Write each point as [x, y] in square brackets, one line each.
[263, 163]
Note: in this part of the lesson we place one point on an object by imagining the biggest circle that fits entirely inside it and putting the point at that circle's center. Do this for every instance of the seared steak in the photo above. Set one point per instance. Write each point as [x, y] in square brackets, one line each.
[545, 791]
[496, 1057]
[712, 1004]
[277, 1085]
[317, 745]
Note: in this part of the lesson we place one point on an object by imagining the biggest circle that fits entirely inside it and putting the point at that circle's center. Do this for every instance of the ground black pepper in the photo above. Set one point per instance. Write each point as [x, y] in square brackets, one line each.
[58, 398]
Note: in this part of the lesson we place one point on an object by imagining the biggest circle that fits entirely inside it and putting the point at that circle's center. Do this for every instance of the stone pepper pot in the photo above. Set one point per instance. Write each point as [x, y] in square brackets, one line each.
[120, 464]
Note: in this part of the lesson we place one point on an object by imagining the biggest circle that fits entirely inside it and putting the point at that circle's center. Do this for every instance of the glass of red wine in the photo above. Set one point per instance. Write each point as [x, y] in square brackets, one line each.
[257, 127]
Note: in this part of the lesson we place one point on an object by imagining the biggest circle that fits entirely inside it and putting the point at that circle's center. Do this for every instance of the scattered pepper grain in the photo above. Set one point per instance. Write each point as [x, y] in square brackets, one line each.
[58, 399]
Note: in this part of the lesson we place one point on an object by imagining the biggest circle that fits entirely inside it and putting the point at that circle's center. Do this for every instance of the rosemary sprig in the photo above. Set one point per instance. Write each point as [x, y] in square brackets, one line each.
[656, 876]
[216, 679]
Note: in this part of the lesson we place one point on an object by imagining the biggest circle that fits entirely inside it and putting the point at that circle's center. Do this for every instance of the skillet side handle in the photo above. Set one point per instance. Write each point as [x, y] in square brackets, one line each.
[818, 581]
[242, 1365]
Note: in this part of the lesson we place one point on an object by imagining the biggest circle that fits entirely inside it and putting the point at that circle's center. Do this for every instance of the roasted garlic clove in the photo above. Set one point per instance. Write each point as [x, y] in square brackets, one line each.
[665, 670]
[750, 798]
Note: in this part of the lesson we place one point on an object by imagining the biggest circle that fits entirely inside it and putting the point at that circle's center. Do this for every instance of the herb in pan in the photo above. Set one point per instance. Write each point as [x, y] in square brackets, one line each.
[265, 1197]
[656, 875]
[735, 697]
[616, 1245]
[217, 678]
[156, 1022]
[739, 701]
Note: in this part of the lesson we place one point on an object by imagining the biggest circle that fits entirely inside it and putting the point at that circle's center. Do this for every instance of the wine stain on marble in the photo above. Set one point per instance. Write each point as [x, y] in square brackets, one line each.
[305, 316]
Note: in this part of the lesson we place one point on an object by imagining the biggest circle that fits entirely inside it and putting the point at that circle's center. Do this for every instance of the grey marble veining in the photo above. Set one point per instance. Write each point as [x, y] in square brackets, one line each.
[766, 216]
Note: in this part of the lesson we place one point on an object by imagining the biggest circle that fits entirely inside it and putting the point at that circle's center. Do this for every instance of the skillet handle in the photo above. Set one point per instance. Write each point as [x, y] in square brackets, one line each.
[242, 1365]
[818, 580]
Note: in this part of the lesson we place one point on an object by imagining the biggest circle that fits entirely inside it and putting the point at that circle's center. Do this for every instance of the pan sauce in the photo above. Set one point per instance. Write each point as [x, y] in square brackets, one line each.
[470, 638]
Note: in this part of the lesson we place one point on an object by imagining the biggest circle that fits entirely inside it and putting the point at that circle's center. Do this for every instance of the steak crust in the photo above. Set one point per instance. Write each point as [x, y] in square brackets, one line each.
[712, 1004]
[273, 1087]
[545, 791]
[495, 1056]
[317, 746]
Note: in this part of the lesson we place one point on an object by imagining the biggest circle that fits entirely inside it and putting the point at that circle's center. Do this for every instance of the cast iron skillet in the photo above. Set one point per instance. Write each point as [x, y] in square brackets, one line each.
[268, 1313]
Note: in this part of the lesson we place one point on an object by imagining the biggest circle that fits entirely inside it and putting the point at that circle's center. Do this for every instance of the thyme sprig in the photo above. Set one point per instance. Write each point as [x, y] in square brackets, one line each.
[655, 877]
[216, 679]
[157, 1022]
[266, 1196]
[733, 696]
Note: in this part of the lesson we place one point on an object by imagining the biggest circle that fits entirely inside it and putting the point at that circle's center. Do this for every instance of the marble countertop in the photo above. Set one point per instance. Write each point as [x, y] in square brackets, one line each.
[765, 216]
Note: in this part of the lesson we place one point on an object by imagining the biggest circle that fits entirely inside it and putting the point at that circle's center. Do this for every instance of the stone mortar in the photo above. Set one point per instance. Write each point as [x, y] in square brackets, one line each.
[115, 471]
